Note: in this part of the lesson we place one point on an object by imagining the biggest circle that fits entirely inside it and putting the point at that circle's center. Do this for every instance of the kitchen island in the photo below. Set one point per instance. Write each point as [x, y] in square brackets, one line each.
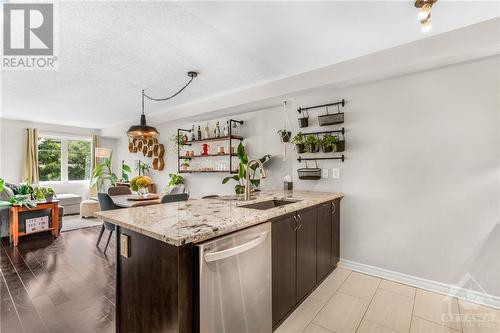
[157, 283]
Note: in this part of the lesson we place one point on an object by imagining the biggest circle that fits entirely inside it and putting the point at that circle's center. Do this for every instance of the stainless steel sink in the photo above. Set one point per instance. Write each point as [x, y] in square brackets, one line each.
[263, 205]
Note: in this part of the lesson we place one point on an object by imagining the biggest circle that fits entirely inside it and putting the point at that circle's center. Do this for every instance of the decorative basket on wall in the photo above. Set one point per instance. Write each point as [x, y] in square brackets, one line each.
[149, 148]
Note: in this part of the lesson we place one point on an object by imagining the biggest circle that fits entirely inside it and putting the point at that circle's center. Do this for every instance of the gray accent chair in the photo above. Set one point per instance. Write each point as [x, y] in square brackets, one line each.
[174, 197]
[106, 203]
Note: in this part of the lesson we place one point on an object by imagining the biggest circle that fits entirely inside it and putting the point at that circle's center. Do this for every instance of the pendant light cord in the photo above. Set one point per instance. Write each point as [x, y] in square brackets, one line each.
[192, 75]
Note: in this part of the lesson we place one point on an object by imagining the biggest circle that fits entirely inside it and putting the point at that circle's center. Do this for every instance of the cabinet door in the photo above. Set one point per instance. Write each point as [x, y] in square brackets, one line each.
[283, 266]
[324, 241]
[306, 251]
[335, 231]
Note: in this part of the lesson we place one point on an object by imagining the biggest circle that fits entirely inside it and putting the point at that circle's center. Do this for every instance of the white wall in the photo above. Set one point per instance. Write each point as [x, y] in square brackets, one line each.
[421, 179]
[11, 151]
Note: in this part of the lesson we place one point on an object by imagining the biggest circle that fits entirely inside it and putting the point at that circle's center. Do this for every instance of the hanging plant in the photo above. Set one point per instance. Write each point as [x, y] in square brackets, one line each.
[298, 141]
[312, 144]
[284, 135]
[329, 143]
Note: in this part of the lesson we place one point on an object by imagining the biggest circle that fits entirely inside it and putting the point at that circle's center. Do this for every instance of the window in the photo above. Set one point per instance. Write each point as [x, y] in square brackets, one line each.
[61, 159]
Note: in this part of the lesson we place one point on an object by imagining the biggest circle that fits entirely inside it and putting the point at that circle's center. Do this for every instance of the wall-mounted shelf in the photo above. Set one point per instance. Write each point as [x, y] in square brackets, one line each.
[341, 103]
[300, 159]
[205, 156]
[229, 138]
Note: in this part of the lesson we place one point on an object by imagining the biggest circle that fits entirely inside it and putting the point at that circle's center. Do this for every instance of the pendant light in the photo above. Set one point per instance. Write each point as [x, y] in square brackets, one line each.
[143, 131]
[424, 14]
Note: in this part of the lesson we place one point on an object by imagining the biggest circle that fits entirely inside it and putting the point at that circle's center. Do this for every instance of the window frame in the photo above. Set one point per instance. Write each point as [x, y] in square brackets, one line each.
[64, 138]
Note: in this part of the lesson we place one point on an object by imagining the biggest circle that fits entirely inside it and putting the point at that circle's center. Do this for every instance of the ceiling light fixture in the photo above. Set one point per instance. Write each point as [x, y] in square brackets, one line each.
[143, 130]
[424, 14]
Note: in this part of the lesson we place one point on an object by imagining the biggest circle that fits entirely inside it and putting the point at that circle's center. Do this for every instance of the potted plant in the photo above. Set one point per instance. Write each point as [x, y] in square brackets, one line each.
[43, 193]
[125, 171]
[241, 176]
[140, 184]
[298, 141]
[175, 180]
[284, 135]
[329, 143]
[178, 142]
[185, 165]
[25, 190]
[312, 144]
[103, 173]
[143, 168]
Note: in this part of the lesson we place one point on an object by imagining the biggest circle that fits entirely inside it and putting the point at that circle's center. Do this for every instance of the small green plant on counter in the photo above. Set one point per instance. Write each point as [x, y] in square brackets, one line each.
[312, 144]
[185, 165]
[240, 177]
[298, 141]
[175, 179]
[329, 143]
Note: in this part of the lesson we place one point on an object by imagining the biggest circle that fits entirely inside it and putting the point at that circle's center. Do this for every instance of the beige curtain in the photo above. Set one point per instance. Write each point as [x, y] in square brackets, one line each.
[93, 163]
[30, 163]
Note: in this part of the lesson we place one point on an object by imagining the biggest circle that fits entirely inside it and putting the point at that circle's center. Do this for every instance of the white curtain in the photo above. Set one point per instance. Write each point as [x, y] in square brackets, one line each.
[30, 163]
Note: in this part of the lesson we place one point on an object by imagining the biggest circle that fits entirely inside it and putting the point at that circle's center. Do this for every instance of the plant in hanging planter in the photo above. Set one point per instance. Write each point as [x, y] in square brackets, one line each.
[240, 177]
[298, 141]
[284, 135]
[329, 143]
[185, 165]
[312, 144]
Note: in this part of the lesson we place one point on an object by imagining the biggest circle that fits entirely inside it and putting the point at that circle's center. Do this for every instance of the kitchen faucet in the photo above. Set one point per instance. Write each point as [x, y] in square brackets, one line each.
[247, 182]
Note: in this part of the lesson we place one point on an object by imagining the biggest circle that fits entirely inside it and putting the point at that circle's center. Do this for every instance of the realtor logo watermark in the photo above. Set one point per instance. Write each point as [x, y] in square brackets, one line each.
[28, 36]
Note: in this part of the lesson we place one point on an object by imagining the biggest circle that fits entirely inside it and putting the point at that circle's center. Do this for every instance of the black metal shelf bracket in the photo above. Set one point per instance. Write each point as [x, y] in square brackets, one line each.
[341, 103]
[300, 159]
[342, 130]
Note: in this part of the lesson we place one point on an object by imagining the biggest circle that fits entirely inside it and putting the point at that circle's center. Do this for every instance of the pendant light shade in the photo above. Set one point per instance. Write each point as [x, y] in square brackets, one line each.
[142, 130]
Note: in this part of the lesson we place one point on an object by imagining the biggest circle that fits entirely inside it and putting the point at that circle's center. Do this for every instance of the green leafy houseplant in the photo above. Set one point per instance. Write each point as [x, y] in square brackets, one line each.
[125, 171]
[312, 144]
[26, 190]
[185, 165]
[143, 168]
[175, 179]
[240, 177]
[104, 172]
[178, 142]
[298, 141]
[18, 199]
[329, 143]
[43, 193]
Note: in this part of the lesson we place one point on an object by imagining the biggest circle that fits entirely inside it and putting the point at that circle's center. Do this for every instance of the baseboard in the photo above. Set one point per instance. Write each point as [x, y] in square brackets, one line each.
[438, 287]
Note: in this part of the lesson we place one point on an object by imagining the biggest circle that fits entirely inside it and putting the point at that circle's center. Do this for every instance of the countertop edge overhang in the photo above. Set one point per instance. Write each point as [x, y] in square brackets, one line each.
[198, 220]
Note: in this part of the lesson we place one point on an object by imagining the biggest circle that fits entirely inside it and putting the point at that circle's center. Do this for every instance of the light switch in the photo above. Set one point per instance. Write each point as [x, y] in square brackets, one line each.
[324, 173]
[336, 173]
[124, 246]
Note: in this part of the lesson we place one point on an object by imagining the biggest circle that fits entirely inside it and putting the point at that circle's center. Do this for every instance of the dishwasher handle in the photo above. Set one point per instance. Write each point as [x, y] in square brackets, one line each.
[219, 255]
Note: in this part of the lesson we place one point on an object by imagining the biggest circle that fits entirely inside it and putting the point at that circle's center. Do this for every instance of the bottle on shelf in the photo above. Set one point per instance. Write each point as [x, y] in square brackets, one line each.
[226, 129]
[199, 132]
[207, 132]
[217, 130]
[193, 133]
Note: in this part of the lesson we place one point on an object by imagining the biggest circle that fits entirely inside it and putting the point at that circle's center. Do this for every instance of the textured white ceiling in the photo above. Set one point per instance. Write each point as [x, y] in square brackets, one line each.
[109, 51]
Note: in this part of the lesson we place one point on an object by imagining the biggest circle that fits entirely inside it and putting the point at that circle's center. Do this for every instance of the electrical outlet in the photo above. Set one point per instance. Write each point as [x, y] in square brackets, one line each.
[336, 173]
[324, 173]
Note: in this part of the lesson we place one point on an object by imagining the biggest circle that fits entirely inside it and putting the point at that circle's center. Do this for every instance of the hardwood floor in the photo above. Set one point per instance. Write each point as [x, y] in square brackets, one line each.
[57, 285]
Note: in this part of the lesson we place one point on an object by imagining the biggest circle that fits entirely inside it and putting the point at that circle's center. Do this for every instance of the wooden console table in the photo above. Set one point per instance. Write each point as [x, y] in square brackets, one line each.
[14, 233]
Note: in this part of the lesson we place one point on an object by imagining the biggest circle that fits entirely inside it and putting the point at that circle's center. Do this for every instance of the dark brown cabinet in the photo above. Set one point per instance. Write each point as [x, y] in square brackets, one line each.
[284, 263]
[324, 235]
[335, 232]
[306, 251]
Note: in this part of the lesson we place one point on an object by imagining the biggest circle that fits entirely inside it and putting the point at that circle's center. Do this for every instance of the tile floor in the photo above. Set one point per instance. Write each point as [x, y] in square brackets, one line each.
[353, 302]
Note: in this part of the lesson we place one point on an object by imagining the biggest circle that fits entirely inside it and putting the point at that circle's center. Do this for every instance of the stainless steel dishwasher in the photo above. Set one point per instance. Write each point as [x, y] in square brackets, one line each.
[235, 282]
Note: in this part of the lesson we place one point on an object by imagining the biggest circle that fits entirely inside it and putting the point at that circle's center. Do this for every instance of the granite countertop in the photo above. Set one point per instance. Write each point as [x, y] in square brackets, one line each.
[197, 220]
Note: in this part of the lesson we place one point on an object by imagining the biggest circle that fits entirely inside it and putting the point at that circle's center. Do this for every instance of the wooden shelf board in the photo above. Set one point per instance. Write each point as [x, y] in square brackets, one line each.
[205, 156]
[222, 138]
[36, 232]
